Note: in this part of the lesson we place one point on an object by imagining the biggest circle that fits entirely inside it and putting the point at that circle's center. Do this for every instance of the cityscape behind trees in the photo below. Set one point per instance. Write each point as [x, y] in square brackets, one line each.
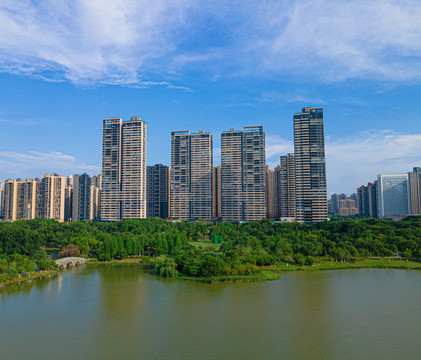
[242, 188]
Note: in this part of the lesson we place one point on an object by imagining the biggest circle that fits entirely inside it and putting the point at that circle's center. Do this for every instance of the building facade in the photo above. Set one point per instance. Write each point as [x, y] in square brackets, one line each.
[393, 195]
[123, 189]
[191, 175]
[310, 165]
[414, 188]
[201, 164]
[216, 193]
[271, 193]
[81, 204]
[232, 175]
[243, 174]
[287, 189]
[158, 191]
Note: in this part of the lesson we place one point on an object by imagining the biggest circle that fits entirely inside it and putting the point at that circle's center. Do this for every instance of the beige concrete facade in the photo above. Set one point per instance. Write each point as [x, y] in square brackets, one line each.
[53, 194]
[123, 189]
[243, 174]
[133, 177]
[271, 193]
[191, 175]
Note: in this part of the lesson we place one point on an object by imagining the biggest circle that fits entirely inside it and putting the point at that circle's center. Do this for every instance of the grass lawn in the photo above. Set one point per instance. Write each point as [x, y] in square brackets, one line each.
[205, 244]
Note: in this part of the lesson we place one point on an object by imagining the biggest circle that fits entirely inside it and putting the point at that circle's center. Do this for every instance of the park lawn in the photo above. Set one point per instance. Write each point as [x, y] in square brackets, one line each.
[382, 263]
[205, 244]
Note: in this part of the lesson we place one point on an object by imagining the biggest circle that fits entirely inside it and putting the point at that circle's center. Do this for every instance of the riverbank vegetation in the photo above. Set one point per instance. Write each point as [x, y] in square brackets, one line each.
[184, 249]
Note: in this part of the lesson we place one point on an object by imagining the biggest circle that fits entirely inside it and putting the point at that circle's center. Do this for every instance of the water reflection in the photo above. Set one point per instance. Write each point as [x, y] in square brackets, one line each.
[117, 311]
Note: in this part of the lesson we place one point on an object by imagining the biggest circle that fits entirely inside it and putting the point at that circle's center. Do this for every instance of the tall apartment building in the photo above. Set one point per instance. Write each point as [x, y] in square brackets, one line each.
[81, 205]
[1, 201]
[201, 160]
[180, 175]
[310, 165]
[95, 197]
[334, 200]
[133, 179]
[216, 193]
[21, 199]
[53, 196]
[271, 193]
[414, 189]
[347, 207]
[191, 175]
[363, 201]
[157, 191]
[287, 188]
[123, 190]
[68, 201]
[243, 174]
[393, 195]
[232, 175]
[373, 200]
[10, 199]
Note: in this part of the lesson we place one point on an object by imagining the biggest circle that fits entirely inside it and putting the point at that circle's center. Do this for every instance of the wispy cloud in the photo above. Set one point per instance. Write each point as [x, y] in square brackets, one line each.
[356, 160]
[145, 43]
[35, 164]
[279, 97]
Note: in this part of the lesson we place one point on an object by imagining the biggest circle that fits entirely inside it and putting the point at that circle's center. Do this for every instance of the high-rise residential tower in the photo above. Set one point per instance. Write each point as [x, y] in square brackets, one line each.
[1, 201]
[191, 175]
[232, 175]
[123, 190]
[216, 193]
[81, 205]
[414, 187]
[53, 194]
[271, 193]
[243, 174]
[133, 179]
[111, 169]
[310, 165]
[180, 174]
[286, 185]
[157, 191]
[95, 206]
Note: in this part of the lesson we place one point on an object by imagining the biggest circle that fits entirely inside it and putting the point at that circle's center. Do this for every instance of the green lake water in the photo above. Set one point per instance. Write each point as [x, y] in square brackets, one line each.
[121, 312]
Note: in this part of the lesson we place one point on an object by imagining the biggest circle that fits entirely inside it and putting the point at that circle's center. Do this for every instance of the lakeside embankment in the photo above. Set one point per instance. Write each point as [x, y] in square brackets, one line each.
[270, 273]
[31, 276]
[378, 263]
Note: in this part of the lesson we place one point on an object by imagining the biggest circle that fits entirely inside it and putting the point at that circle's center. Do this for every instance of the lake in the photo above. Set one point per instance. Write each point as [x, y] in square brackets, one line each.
[120, 312]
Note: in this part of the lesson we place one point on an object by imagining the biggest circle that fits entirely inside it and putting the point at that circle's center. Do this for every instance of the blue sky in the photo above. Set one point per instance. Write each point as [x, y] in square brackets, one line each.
[211, 65]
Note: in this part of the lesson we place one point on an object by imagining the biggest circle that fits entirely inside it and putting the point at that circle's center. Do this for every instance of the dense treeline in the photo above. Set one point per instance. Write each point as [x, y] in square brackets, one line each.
[245, 248]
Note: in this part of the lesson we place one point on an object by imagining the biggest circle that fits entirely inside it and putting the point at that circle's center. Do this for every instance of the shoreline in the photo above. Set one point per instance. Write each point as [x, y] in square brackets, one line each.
[32, 276]
[371, 263]
[269, 273]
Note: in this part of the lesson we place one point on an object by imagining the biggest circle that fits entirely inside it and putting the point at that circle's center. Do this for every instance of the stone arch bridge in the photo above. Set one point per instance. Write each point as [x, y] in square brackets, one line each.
[70, 261]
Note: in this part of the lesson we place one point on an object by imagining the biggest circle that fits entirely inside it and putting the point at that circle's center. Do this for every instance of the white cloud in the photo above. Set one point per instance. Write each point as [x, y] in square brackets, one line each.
[145, 43]
[35, 164]
[357, 160]
[88, 40]
[346, 39]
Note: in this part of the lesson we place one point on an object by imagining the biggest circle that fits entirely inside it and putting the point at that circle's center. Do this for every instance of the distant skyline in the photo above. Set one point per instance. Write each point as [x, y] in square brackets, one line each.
[214, 66]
